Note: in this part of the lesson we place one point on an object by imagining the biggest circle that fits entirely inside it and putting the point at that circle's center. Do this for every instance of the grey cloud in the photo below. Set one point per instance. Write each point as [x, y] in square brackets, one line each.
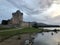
[34, 10]
[5, 10]
[29, 6]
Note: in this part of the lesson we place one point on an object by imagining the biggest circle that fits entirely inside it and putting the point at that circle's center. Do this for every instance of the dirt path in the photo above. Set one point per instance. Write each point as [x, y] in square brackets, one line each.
[15, 41]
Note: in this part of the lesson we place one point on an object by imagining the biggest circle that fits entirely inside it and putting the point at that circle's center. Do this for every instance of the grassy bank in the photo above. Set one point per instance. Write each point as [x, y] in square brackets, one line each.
[3, 28]
[19, 31]
[7, 34]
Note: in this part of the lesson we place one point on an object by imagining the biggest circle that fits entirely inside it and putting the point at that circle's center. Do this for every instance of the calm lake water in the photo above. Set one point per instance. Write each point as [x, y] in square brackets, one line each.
[47, 38]
[51, 28]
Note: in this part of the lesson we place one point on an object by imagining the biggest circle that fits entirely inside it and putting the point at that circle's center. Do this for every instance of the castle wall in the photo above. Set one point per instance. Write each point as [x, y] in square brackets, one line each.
[17, 18]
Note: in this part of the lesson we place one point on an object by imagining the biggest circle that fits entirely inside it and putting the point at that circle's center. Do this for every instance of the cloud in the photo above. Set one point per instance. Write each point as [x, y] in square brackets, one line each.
[31, 6]
[6, 10]
[39, 11]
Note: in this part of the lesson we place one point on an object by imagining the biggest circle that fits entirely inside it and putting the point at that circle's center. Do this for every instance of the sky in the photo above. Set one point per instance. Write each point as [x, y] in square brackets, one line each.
[42, 11]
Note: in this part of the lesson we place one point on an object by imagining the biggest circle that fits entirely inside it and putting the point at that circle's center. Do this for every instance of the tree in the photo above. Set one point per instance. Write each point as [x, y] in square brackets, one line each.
[35, 25]
[4, 22]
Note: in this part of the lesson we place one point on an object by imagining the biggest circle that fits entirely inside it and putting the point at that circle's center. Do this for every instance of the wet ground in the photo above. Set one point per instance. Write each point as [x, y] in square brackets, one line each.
[16, 40]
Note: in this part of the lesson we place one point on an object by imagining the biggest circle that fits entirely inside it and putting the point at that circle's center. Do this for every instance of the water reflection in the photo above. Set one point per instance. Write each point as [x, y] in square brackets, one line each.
[47, 39]
[51, 28]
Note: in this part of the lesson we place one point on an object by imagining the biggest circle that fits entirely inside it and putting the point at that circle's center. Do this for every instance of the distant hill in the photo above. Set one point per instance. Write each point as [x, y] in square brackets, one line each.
[44, 25]
[41, 24]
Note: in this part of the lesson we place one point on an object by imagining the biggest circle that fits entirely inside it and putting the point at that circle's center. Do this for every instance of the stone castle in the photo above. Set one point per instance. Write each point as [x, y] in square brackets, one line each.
[17, 20]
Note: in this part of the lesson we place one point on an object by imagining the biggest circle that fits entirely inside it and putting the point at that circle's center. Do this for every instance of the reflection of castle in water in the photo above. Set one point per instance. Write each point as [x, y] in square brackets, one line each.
[16, 20]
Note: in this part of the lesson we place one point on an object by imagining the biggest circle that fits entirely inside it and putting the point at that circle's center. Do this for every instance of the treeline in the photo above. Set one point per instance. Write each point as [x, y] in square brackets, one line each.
[5, 22]
[37, 25]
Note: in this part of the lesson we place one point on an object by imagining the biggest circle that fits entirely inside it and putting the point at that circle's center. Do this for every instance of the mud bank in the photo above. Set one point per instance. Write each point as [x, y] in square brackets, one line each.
[18, 39]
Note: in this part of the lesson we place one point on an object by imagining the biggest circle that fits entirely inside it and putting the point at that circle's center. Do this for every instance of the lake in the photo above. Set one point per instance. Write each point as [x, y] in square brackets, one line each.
[51, 28]
[47, 38]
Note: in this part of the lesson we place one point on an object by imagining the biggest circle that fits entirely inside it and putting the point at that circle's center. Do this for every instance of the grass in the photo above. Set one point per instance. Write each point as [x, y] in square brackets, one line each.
[30, 30]
[2, 28]
[7, 34]
[19, 31]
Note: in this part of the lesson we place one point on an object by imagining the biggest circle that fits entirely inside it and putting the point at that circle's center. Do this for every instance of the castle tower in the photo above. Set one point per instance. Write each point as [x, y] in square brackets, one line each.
[17, 18]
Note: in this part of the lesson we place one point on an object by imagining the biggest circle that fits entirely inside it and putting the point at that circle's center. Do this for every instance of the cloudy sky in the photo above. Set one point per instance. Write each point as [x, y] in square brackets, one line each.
[46, 11]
